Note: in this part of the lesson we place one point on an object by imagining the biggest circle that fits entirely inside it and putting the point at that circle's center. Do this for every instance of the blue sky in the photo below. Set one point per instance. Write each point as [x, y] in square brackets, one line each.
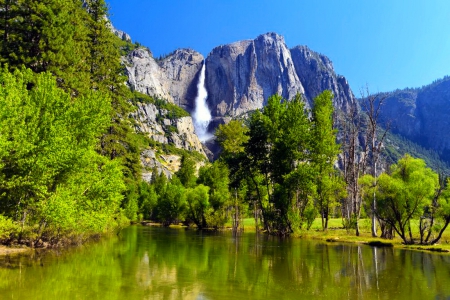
[384, 44]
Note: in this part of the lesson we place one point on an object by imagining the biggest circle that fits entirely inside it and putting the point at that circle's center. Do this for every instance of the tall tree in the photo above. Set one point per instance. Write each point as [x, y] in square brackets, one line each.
[354, 160]
[371, 105]
[324, 156]
[186, 172]
[46, 36]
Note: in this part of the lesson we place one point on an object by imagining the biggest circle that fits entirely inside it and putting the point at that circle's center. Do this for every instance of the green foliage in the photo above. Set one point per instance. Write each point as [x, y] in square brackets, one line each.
[172, 203]
[148, 200]
[50, 173]
[396, 146]
[46, 36]
[286, 160]
[330, 185]
[8, 228]
[187, 171]
[198, 204]
[404, 195]
[215, 176]
[232, 137]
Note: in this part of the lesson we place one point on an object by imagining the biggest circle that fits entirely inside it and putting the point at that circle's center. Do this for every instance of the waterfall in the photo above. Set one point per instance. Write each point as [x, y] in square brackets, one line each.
[202, 115]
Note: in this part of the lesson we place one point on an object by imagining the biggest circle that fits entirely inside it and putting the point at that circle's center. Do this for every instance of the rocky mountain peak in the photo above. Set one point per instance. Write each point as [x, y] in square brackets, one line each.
[270, 39]
[242, 75]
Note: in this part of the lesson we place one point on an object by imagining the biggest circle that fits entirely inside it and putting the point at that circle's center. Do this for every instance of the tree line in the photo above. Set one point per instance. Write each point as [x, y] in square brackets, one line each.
[69, 158]
[282, 166]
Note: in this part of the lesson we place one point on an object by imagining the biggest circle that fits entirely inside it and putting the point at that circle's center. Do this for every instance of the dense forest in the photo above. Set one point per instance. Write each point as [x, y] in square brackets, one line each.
[70, 158]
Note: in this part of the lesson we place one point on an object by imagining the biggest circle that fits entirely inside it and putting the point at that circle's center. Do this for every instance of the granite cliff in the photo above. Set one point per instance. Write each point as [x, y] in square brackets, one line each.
[173, 78]
[242, 75]
[422, 115]
[239, 76]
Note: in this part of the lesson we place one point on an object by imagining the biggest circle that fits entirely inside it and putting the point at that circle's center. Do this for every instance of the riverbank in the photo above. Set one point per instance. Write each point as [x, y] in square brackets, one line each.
[5, 250]
[337, 234]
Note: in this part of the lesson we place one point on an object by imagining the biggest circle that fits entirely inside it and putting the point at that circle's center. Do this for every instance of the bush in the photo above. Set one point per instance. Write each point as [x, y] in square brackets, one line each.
[8, 228]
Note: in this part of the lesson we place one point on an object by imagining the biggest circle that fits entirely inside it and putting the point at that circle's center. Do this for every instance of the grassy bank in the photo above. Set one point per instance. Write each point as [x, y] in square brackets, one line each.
[337, 233]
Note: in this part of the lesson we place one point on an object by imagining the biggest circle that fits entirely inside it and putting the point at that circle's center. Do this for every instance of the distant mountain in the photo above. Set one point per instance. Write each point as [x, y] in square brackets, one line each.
[422, 115]
[241, 76]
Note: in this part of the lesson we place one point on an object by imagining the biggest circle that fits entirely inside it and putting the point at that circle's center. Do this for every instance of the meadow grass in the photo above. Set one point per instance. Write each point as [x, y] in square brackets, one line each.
[337, 233]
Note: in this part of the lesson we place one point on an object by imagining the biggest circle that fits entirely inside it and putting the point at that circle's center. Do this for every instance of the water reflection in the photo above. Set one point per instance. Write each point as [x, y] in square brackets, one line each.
[158, 263]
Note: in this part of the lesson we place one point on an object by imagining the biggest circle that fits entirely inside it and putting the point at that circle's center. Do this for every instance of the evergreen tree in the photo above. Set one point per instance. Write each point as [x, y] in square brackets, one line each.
[46, 36]
[186, 173]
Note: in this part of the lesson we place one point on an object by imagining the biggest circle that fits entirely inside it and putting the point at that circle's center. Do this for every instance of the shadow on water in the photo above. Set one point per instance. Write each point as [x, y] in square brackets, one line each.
[161, 263]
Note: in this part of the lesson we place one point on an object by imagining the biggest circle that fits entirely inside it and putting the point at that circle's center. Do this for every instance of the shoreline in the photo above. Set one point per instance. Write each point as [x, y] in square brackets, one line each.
[340, 235]
[336, 235]
[5, 250]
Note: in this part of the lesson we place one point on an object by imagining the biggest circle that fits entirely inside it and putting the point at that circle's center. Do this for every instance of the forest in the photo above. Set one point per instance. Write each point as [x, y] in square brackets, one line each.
[70, 158]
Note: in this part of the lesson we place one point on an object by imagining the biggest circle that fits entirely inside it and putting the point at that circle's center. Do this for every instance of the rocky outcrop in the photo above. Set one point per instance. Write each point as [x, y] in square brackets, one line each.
[156, 124]
[242, 75]
[121, 34]
[145, 75]
[166, 164]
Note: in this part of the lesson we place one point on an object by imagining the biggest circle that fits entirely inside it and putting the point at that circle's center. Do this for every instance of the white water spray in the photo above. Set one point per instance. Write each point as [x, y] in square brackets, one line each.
[202, 115]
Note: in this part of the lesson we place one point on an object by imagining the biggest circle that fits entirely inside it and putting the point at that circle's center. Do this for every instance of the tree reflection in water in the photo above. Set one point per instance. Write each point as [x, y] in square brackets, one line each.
[158, 263]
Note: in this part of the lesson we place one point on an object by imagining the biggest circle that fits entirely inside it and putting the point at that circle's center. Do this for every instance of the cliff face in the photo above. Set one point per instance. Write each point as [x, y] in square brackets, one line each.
[173, 78]
[181, 71]
[241, 76]
[422, 115]
[317, 73]
[145, 75]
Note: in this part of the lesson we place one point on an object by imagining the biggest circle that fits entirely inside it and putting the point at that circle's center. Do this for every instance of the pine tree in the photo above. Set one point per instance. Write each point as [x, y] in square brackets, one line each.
[46, 36]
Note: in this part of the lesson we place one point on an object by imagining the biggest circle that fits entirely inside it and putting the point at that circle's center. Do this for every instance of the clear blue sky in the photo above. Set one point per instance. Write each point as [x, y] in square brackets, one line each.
[386, 44]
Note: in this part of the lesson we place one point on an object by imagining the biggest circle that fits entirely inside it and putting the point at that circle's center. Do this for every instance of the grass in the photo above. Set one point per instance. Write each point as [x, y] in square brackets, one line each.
[337, 233]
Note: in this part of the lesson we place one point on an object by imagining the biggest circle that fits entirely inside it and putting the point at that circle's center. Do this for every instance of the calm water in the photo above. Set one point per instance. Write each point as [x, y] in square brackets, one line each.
[158, 263]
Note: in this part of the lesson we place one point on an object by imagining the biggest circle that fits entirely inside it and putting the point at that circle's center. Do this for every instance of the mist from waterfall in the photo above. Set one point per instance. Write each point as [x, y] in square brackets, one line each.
[202, 115]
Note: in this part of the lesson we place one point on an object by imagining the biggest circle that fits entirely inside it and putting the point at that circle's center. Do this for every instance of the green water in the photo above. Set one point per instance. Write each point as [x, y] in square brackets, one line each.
[158, 263]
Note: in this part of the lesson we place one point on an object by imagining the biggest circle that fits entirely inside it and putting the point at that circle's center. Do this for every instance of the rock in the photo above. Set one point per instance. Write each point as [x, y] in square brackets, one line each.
[121, 34]
[181, 70]
[180, 131]
[174, 78]
[149, 162]
[317, 74]
[242, 75]
[145, 75]
[422, 115]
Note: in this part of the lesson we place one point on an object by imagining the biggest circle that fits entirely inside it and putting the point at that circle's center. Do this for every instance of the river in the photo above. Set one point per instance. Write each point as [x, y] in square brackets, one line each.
[160, 263]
